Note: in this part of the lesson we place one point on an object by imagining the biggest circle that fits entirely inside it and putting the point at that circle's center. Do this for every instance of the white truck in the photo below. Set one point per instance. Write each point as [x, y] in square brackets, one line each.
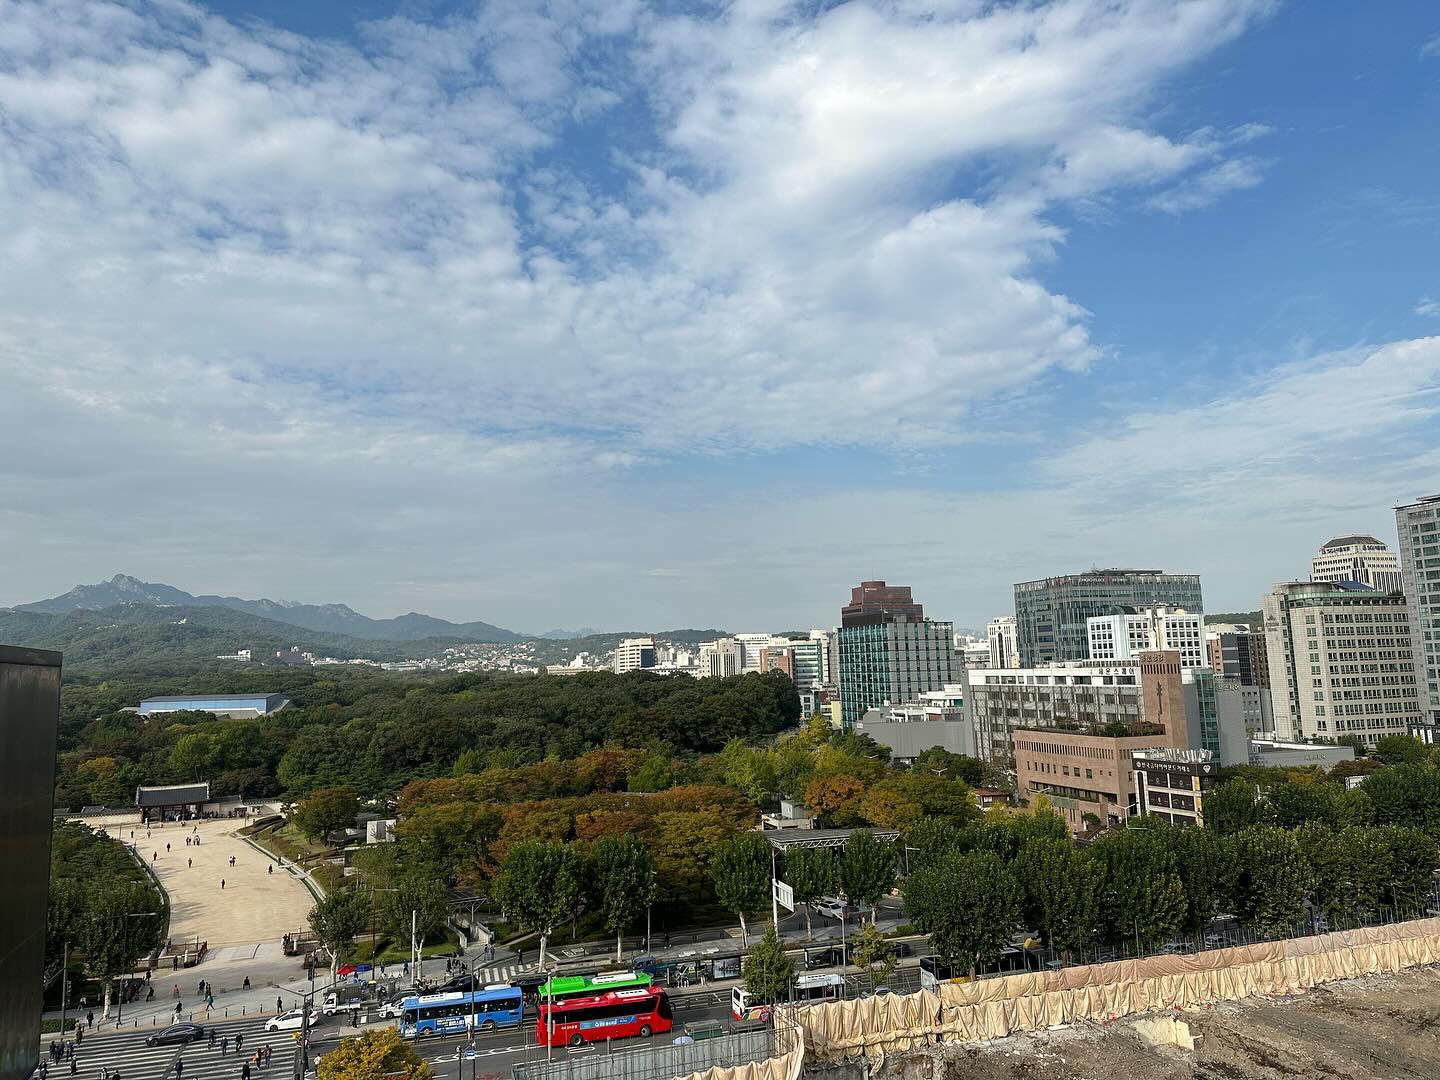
[344, 999]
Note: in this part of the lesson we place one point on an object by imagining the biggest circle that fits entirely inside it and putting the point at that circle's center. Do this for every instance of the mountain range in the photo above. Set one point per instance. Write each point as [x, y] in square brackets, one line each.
[123, 589]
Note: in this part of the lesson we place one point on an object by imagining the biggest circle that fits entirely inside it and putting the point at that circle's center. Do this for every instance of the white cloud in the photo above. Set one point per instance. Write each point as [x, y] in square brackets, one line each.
[503, 259]
[1430, 48]
[1428, 308]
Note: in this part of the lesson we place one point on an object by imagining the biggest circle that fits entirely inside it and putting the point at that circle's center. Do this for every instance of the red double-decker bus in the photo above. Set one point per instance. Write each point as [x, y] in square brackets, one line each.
[617, 1014]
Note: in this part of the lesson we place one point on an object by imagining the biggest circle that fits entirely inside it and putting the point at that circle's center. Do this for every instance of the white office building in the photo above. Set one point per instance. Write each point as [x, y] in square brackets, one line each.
[1342, 662]
[719, 659]
[1004, 649]
[751, 646]
[1126, 636]
[633, 654]
[1418, 525]
[1358, 558]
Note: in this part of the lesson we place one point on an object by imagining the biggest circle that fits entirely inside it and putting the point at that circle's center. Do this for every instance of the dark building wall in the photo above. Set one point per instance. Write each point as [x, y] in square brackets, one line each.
[29, 717]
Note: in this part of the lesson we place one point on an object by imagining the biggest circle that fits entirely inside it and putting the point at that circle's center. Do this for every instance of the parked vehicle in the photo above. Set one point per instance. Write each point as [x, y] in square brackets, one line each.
[828, 956]
[176, 1033]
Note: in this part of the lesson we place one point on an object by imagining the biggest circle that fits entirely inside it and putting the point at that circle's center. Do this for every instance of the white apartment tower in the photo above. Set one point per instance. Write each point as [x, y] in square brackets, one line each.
[1125, 637]
[1342, 662]
[1418, 525]
[1358, 558]
[1004, 649]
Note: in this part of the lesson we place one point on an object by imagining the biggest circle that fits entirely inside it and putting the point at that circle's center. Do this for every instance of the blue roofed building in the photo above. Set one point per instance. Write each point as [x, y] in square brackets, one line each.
[236, 706]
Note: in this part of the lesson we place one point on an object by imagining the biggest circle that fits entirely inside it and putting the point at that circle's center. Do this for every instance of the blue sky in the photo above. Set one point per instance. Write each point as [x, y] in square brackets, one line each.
[642, 315]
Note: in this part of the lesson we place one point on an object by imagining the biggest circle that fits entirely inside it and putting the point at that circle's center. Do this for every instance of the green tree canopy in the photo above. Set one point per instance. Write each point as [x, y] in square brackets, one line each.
[740, 869]
[867, 869]
[1272, 879]
[327, 810]
[1060, 892]
[768, 971]
[541, 884]
[337, 919]
[623, 875]
[811, 873]
[968, 904]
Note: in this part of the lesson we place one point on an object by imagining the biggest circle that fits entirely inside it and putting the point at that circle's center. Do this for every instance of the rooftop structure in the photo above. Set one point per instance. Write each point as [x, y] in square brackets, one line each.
[236, 706]
[1357, 557]
[1051, 613]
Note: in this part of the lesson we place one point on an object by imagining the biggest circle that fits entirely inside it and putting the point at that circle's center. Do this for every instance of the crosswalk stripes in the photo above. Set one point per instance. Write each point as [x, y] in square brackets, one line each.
[127, 1055]
[499, 973]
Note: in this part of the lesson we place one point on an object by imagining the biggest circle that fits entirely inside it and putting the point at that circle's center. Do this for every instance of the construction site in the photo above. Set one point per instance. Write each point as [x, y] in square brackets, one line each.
[1382, 1026]
[1358, 1003]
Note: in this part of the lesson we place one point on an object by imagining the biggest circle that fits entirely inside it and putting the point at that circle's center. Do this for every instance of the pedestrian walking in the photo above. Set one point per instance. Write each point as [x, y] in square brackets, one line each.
[70, 1051]
[224, 1045]
[167, 848]
[79, 1034]
[245, 1071]
[154, 855]
[279, 1003]
[179, 1068]
[246, 984]
[189, 863]
[44, 1069]
[270, 869]
[73, 1067]
[239, 1038]
[211, 1044]
[222, 884]
[90, 1018]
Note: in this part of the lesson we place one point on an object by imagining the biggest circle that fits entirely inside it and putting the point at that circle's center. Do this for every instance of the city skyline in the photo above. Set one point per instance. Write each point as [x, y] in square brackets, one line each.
[643, 318]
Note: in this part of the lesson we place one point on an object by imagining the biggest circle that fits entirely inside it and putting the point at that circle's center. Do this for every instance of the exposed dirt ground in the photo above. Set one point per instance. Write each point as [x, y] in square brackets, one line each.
[1385, 1027]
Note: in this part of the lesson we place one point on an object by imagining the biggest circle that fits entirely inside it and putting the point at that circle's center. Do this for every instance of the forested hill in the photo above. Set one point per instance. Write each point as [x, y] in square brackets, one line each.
[380, 731]
[142, 639]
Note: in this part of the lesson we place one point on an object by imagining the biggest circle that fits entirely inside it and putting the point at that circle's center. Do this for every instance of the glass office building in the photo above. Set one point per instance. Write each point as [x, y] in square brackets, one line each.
[1051, 614]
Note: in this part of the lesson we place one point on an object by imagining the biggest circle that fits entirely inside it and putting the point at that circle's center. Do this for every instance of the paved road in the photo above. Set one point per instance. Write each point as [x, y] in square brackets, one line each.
[495, 1053]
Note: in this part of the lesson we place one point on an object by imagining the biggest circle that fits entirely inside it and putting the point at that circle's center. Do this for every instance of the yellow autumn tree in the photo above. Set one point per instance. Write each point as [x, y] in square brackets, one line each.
[377, 1053]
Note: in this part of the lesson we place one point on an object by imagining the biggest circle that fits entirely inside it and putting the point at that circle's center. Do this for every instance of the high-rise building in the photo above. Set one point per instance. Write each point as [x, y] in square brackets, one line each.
[1418, 525]
[751, 645]
[1342, 662]
[779, 656]
[1119, 637]
[633, 654]
[871, 598]
[1238, 652]
[889, 652]
[1004, 652]
[1357, 558]
[1051, 613]
[719, 659]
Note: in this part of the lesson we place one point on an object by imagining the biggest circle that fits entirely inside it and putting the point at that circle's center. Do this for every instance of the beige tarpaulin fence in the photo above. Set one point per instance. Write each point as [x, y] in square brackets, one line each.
[786, 1065]
[991, 1008]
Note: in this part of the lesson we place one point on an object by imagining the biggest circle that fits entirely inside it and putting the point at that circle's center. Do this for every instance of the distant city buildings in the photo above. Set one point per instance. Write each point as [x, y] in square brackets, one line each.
[1358, 558]
[935, 718]
[1127, 635]
[1418, 526]
[634, 654]
[888, 651]
[1051, 614]
[1342, 662]
[1004, 649]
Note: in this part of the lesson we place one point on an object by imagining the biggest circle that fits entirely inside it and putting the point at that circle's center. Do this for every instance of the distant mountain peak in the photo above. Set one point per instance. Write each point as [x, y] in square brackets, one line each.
[329, 618]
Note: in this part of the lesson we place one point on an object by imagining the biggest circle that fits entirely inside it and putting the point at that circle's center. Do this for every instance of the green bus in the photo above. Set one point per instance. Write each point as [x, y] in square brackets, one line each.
[574, 986]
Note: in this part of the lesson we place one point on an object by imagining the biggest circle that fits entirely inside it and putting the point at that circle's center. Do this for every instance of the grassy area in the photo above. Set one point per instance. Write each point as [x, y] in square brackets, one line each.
[386, 951]
[329, 876]
[290, 843]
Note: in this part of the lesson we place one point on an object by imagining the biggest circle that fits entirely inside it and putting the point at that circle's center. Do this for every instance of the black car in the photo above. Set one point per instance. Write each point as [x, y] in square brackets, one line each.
[900, 949]
[176, 1033]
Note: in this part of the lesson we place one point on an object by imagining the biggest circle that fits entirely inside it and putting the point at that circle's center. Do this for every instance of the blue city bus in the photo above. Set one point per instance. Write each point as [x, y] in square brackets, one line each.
[496, 1006]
